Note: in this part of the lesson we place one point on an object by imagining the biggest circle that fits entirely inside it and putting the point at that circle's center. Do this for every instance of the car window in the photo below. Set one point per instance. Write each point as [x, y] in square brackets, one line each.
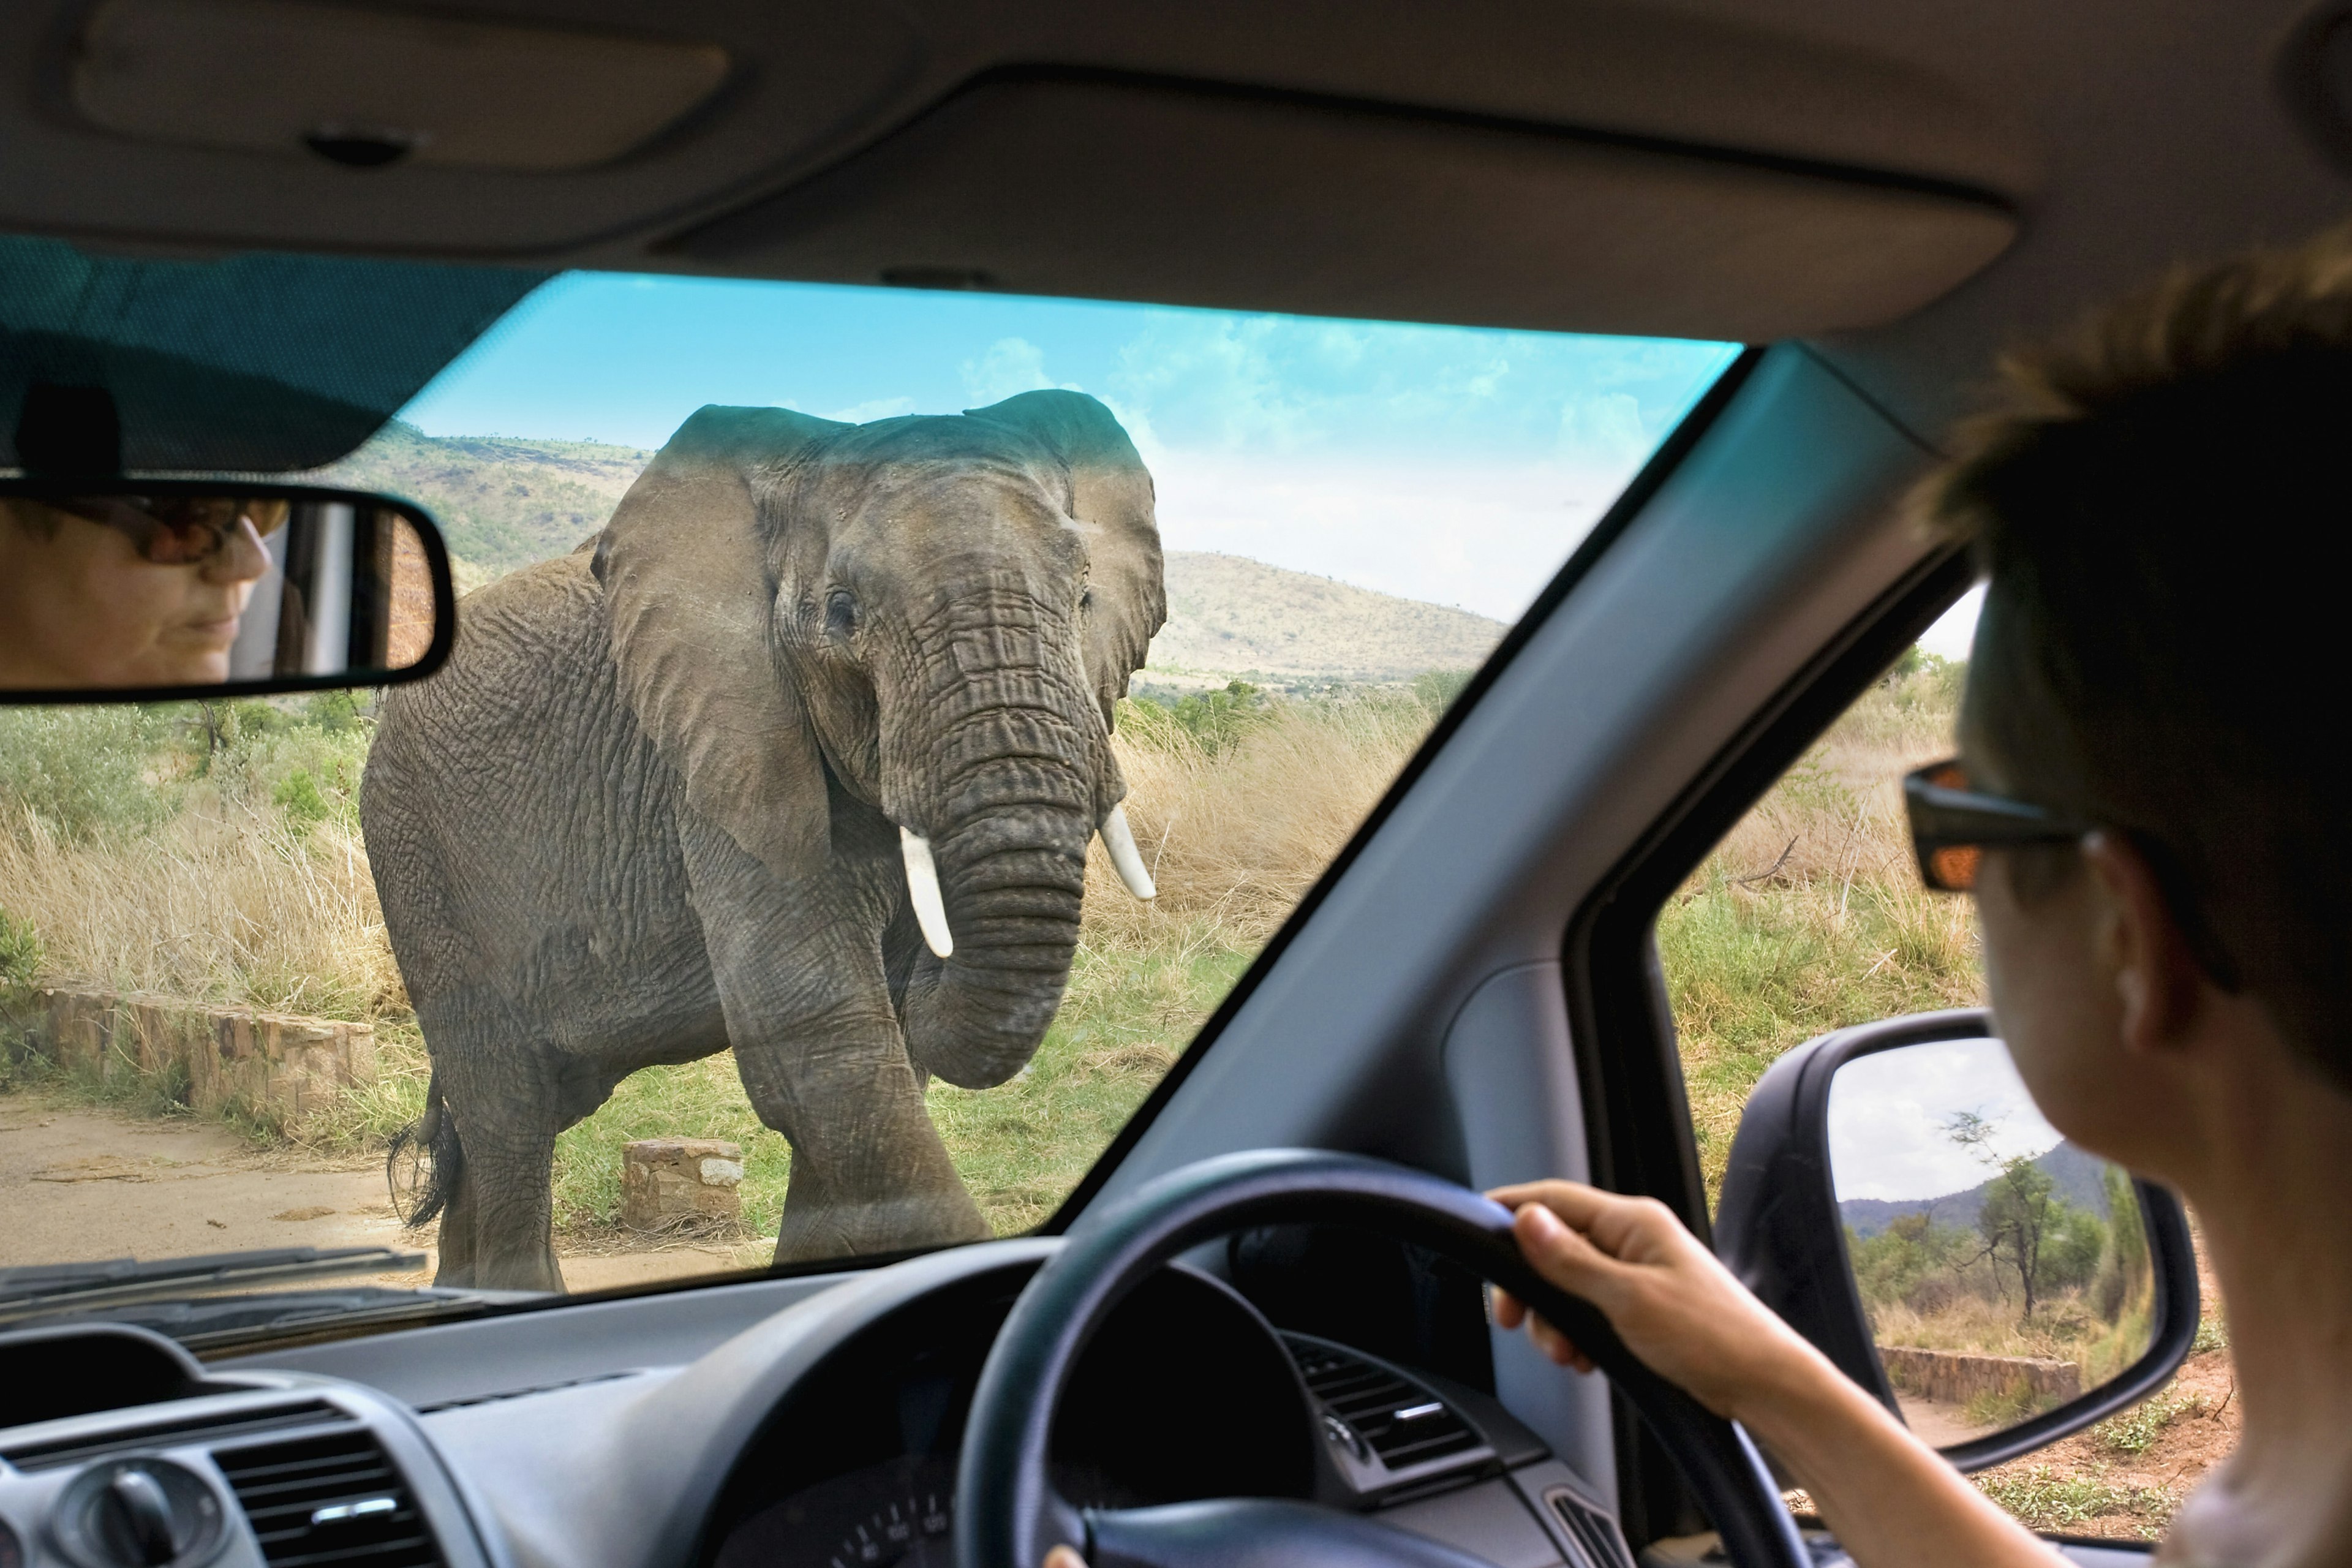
[1810, 917]
[883, 726]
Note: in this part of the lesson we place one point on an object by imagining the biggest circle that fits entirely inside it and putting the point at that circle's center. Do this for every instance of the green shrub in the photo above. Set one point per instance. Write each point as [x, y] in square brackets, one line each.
[20, 957]
[310, 772]
[298, 794]
[85, 772]
[1216, 722]
[2041, 1499]
[2006, 1409]
[1436, 690]
[2137, 1429]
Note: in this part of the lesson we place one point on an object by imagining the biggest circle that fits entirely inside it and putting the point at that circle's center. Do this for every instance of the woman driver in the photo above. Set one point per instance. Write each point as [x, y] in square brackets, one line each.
[2161, 515]
[125, 591]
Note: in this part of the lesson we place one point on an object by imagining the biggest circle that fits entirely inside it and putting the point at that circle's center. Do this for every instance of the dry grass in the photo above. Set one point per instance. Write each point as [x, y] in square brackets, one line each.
[2065, 1328]
[1809, 916]
[1237, 829]
[222, 886]
[214, 888]
[222, 904]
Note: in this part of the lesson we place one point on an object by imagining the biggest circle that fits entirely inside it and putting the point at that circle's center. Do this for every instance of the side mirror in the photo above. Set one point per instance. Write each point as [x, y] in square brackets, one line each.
[164, 589]
[1894, 1194]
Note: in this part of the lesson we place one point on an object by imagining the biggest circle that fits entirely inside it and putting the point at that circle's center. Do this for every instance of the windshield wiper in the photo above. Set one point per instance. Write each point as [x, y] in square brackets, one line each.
[46, 1287]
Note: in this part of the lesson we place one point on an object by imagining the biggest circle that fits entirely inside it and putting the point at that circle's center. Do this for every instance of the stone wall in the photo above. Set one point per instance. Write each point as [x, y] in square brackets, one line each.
[274, 1064]
[1954, 1377]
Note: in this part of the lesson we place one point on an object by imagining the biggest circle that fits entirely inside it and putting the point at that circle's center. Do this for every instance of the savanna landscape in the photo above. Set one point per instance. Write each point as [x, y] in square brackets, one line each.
[211, 852]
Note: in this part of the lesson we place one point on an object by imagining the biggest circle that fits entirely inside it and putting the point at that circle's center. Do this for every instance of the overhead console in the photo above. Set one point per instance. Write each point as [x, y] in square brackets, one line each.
[1082, 182]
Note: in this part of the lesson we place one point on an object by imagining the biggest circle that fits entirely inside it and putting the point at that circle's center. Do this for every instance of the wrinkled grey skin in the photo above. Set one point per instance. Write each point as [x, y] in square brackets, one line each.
[651, 807]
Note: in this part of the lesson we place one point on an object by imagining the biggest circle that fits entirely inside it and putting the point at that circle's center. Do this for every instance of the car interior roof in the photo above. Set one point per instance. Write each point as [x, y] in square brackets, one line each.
[1905, 186]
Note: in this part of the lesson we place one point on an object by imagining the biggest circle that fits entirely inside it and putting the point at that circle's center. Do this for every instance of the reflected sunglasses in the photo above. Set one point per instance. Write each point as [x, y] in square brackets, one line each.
[1952, 825]
[177, 531]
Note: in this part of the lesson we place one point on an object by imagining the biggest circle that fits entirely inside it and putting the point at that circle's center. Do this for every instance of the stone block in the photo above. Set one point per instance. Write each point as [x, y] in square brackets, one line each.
[276, 1064]
[1956, 1377]
[679, 1184]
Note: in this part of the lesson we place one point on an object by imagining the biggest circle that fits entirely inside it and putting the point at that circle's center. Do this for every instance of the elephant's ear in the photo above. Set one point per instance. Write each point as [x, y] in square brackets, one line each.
[684, 564]
[1111, 492]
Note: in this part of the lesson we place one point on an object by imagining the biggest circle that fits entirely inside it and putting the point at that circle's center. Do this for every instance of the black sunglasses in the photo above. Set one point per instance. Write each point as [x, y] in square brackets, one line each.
[1952, 825]
[177, 531]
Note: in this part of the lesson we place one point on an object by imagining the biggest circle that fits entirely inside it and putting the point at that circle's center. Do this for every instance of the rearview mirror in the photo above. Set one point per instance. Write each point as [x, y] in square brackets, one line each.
[157, 589]
[1894, 1193]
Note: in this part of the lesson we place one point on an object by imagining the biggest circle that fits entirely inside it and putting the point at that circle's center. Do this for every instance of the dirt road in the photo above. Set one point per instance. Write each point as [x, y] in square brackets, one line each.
[78, 1183]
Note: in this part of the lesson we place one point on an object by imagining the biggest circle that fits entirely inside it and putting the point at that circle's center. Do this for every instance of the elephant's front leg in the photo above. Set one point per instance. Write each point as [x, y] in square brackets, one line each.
[807, 1001]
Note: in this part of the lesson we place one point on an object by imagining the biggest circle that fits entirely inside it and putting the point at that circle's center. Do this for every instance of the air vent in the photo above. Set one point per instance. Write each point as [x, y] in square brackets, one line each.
[334, 1498]
[168, 1434]
[1593, 1531]
[1401, 1422]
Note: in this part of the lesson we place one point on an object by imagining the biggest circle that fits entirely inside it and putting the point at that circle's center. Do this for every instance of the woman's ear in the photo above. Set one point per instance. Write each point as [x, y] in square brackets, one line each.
[684, 565]
[2159, 983]
[1111, 495]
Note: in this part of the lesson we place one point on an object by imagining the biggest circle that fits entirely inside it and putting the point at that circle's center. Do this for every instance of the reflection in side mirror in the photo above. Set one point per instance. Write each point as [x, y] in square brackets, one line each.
[2004, 1271]
[1894, 1194]
[178, 589]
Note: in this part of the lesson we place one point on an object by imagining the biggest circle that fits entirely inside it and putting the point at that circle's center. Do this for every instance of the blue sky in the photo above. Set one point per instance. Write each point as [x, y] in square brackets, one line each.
[1445, 464]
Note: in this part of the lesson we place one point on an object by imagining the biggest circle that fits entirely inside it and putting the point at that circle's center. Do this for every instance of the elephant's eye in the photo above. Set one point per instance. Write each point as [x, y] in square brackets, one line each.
[840, 613]
[1086, 600]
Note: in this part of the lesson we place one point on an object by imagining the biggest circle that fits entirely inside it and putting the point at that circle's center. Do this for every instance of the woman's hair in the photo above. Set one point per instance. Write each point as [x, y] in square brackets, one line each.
[2161, 506]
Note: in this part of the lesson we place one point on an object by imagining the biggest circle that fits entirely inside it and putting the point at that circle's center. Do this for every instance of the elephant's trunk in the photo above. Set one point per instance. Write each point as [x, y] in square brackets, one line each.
[1010, 800]
[930, 904]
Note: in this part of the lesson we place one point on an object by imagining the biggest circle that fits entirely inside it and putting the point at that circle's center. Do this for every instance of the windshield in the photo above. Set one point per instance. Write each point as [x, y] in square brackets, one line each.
[883, 726]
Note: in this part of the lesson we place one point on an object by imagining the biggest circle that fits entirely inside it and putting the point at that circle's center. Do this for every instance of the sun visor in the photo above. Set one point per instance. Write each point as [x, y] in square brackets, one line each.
[1050, 183]
[253, 363]
[374, 87]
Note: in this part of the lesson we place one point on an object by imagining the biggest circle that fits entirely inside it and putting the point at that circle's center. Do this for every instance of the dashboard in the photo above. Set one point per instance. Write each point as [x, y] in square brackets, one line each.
[772, 1424]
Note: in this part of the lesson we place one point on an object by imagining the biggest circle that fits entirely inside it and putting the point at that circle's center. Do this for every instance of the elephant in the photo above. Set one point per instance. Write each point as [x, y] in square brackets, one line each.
[801, 755]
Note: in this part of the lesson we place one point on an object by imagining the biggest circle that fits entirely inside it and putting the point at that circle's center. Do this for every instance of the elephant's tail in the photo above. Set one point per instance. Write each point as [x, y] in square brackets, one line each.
[425, 1157]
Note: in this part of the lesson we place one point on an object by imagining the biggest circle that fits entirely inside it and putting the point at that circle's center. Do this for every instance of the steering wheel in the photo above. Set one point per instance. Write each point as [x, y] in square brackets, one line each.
[1008, 1514]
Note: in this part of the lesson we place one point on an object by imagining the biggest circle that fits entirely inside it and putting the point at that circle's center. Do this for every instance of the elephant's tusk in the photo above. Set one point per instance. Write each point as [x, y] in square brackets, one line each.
[923, 889]
[1119, 840]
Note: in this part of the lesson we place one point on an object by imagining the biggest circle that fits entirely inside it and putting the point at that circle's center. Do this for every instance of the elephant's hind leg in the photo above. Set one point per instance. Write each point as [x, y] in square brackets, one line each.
[497, 1233]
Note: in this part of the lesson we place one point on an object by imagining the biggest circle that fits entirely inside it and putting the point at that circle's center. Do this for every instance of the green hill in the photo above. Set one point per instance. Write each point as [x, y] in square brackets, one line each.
[501, 504]
[1228, 615]
[504, 502]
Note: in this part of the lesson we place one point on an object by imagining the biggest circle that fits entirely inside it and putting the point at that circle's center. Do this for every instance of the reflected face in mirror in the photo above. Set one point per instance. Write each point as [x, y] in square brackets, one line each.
[116, 592]
[108, 593]
[2004, 1270]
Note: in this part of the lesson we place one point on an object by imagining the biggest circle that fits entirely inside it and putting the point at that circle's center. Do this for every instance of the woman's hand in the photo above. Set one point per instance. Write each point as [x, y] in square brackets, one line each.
[1672, 1302]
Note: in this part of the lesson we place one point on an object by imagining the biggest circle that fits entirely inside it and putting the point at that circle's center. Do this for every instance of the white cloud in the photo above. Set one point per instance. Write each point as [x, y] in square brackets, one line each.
[1956, 627]
[1487, 536]
[1890, 1118]
[873, 409]
[1009, 367]
[1603, 429]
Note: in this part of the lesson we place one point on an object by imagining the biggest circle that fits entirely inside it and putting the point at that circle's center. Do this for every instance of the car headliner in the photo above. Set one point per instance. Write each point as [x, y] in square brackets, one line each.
[1908, 187]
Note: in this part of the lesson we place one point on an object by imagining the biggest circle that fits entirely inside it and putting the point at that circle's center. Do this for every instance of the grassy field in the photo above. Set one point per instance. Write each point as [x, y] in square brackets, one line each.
[214, 854]
[1810, 916]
